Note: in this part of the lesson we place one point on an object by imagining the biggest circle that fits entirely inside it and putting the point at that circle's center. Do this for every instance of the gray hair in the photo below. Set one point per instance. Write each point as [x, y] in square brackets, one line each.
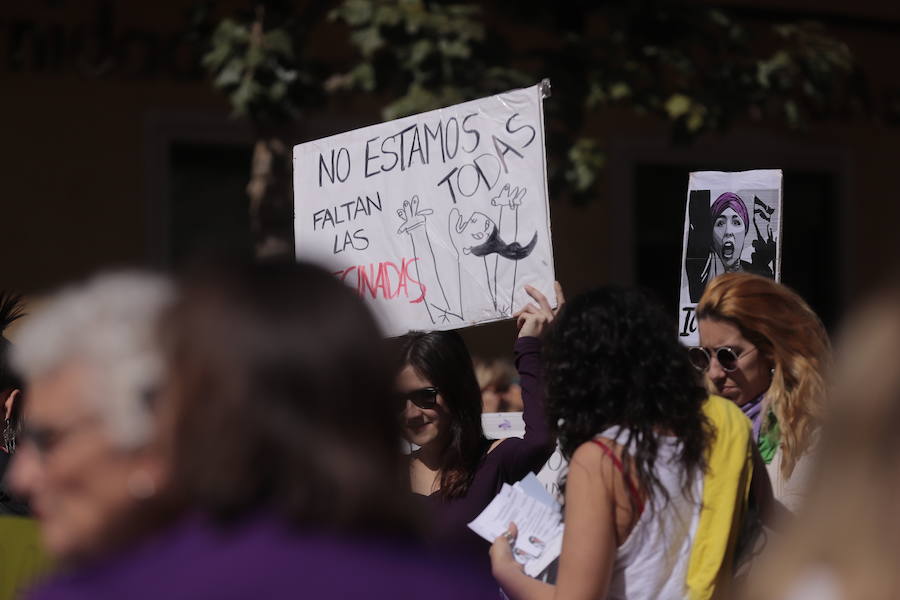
[109, 325]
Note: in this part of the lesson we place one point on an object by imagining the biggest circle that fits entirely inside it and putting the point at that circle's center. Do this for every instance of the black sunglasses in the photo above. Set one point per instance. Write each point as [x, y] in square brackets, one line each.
[701, 357]
[425, 398]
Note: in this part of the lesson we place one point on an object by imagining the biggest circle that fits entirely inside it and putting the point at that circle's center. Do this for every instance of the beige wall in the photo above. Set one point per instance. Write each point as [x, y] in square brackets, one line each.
[75, 169]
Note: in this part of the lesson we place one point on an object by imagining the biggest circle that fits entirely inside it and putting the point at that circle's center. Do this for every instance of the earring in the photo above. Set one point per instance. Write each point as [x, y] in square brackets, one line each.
[141, 485]
[9, 437]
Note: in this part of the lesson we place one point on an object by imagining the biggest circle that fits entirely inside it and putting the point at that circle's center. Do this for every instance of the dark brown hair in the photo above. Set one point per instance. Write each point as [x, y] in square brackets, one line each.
[442, 358]
[281, 398]
[612, 361]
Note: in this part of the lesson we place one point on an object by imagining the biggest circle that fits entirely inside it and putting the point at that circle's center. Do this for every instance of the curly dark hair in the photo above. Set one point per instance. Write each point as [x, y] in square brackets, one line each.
[442, 358]
[612, 358]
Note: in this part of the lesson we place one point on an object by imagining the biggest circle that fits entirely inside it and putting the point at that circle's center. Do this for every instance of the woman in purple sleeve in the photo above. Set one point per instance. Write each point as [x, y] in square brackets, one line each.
[455, 471]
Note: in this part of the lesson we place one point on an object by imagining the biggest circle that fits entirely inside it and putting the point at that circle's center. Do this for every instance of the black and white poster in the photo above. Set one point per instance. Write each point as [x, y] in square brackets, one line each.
[732, 223]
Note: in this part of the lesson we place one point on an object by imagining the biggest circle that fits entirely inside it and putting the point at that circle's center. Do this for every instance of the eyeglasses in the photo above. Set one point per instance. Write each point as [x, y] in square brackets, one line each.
[727, 357]
[45, 439]
[425, 398]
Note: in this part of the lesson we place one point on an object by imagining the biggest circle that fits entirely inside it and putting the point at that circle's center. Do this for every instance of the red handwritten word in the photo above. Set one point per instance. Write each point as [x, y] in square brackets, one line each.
[384, 277]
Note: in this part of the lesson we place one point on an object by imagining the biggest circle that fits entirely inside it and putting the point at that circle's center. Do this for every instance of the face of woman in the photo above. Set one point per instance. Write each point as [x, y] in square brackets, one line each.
[752, 375]
[80, 485]
[421, 426]
[728, 238]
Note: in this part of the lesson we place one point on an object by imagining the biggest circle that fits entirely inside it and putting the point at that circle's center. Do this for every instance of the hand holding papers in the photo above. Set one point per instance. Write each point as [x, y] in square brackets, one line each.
[537, 516]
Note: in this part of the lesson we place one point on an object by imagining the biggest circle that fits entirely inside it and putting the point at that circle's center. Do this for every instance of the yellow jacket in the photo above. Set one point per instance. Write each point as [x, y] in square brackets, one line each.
[726, 486]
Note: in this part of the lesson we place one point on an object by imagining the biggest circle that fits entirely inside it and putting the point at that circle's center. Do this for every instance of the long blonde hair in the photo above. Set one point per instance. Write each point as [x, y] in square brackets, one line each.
[850, 528]
[788, 333]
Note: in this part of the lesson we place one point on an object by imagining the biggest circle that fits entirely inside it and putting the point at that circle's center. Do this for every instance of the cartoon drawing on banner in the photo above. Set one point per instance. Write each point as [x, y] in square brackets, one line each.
[733, 223]
[476, 238]
[437, 220]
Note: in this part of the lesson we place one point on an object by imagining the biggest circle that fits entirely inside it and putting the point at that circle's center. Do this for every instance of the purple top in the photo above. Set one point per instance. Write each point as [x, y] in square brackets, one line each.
[263, 558]
[509, 462]
[753, 410]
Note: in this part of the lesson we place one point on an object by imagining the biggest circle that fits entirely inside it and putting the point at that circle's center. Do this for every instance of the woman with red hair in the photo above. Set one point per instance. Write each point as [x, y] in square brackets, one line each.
[764, 348]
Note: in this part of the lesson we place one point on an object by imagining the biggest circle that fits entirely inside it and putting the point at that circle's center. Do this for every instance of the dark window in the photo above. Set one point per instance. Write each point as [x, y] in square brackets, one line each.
[810, 234]
[208, 207]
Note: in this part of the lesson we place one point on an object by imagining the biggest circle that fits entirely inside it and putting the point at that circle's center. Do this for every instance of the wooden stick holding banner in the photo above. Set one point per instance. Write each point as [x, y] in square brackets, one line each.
[438, 220]
[732, 223]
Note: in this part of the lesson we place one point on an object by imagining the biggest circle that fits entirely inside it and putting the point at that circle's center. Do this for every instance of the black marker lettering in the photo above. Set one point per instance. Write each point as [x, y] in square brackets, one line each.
[449, 185]
[416, 147]
[324, 167]
[520, 128]
[403, 145]
[438, 136]
[346, 153]
[455, 138]
[370, 157]
[501, 154]
[471, 132]
[391, 152]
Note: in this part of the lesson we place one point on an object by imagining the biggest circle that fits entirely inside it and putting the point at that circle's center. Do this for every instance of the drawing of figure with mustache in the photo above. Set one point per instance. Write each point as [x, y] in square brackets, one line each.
[478, 247]
[478, 237]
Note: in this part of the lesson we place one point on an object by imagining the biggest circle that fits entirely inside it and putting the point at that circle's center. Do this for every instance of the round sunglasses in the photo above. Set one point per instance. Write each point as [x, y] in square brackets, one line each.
[425, 398]
[727, 357]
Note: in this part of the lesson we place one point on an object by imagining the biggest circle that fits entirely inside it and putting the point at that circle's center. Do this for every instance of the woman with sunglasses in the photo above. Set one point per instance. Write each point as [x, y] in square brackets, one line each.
[765, 349]
[454, 470]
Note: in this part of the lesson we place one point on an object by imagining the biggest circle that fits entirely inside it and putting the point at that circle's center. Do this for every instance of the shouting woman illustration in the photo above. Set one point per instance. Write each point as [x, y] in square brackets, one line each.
[478, 247]
[722, 243]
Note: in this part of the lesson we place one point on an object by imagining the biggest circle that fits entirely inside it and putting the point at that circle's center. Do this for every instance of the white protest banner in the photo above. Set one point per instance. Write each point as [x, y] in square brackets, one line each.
[732, 222]
[437, 220]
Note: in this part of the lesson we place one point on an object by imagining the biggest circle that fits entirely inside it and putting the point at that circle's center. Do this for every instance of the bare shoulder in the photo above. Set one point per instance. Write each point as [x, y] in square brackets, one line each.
[592, 458]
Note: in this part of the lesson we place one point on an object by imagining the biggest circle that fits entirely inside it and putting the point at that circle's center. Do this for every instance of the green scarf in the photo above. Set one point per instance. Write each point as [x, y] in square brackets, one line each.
[769, 438]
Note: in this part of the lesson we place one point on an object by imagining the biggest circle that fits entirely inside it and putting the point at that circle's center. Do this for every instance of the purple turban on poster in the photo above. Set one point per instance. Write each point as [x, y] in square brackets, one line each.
[734, 202]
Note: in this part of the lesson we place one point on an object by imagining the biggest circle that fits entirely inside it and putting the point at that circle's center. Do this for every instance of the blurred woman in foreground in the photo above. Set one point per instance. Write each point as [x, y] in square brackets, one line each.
[656, 468]
[764, 348]
[846, 543]
[87, 458]
[278, 434]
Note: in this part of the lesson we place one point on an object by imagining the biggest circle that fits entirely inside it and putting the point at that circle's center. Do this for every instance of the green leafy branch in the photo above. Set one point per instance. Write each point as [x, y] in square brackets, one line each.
[697, 67]
[434, 54]
[257, 68]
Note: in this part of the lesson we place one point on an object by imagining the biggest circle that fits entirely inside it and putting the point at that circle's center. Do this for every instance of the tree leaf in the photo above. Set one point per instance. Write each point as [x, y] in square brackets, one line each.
[231, 74]
[619, 90]
[677, 105]
[420, 51]
[368, 40]
[279, 42]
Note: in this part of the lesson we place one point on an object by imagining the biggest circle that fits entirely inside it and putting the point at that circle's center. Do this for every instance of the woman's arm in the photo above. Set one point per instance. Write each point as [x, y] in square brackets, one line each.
[521, 456]
[589, 542]
[528, 364]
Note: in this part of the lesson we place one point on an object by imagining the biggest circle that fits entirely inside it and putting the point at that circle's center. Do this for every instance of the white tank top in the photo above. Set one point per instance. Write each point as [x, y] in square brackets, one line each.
[652, 562]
